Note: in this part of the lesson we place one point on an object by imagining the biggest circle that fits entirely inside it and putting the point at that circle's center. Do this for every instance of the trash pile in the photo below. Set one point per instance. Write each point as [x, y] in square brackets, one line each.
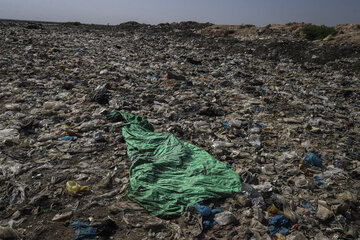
[346, 33]
[142, 131]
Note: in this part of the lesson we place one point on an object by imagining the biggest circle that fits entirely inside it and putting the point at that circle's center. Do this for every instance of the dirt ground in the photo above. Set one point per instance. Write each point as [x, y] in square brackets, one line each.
[283, 97]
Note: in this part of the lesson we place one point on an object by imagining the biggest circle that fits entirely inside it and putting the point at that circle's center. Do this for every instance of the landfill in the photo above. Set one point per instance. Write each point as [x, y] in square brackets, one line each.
[240, 132]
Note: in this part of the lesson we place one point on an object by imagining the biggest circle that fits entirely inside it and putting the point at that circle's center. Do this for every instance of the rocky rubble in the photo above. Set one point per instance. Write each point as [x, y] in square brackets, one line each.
[259, 104]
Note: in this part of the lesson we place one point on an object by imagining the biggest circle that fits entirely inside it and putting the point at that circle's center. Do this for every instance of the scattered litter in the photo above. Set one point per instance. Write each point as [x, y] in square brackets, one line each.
[221, 103]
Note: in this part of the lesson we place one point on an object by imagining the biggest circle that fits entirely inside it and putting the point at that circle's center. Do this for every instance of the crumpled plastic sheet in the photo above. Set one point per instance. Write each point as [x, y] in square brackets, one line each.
[207, 214]
[83, 231]
[9, 169]
[308, 206]
[168, 175]
[18, 195]
[278, 224]
[313, 160]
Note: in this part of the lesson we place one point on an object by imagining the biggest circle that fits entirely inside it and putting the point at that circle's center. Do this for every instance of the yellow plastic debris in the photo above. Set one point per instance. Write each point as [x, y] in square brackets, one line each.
[274, 210]
[75, 189]
[267, 130]
[328, 38]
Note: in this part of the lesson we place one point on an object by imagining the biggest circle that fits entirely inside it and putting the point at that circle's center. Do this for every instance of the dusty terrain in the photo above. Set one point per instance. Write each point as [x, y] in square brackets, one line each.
[259, 99]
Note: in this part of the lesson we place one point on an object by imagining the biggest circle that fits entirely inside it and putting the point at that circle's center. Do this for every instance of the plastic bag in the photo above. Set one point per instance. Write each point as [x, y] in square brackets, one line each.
[75, 189]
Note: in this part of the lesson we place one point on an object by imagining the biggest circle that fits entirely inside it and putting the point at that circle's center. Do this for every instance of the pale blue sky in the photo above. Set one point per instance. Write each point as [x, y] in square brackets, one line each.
[258, 12]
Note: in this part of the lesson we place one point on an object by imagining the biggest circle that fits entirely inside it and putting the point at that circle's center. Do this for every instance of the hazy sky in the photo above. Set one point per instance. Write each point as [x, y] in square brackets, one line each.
[258, 12]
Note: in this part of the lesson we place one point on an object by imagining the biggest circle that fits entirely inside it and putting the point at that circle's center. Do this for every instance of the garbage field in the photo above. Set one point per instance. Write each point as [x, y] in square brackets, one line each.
[178, 131]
